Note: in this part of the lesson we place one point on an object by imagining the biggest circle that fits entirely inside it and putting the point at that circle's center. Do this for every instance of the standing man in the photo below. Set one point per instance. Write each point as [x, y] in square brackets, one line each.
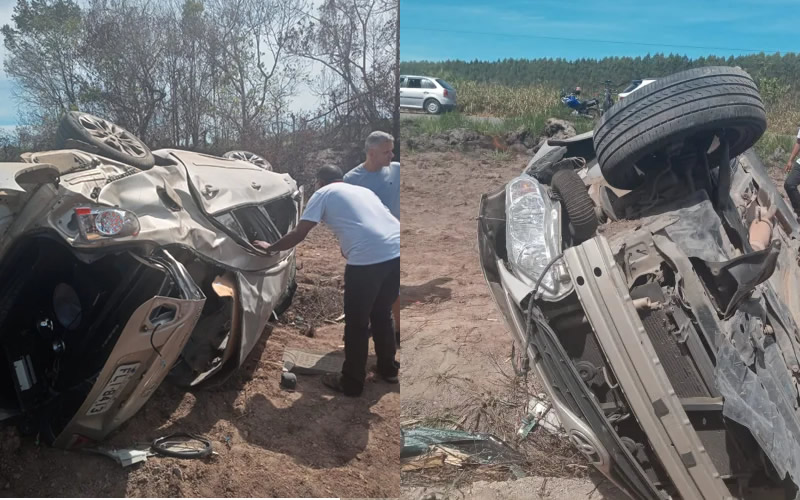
[382, 176]
[369, 236]
[793, 179]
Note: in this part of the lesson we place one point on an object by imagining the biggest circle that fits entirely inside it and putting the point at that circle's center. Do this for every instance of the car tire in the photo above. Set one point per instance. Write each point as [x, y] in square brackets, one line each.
[697, 102]
[432, 107]
[249, 157]
[569, 187]
[95, 135]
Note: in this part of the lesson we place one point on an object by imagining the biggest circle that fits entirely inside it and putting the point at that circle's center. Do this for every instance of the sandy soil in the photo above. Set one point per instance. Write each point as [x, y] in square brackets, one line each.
[456, 369]
[270, 443]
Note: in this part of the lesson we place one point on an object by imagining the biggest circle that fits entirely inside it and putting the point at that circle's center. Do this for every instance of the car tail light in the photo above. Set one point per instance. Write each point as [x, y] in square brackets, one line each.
[445, 93]
[96, 223]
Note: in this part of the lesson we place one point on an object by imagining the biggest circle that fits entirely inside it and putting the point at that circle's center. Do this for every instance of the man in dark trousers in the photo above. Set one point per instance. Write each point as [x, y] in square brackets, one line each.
[369, 236]
[382, 176]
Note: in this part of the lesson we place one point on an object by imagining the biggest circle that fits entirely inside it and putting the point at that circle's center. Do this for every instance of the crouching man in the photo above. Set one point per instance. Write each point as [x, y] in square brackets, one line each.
[369, 236]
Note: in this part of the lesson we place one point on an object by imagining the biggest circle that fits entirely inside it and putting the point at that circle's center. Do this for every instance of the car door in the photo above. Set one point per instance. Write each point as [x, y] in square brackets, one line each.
[430, 89]
[413, 93]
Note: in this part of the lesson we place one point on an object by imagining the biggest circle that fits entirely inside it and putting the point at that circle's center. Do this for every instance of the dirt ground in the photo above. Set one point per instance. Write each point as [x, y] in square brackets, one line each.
[270, 443]
[455, 368]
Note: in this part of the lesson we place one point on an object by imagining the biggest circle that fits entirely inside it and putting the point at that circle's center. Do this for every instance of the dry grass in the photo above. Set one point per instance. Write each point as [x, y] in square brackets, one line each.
[314, 305]
[491, 99]
[500, 413]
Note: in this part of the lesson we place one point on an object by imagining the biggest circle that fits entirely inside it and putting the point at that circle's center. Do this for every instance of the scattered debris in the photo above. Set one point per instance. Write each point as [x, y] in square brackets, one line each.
[183, 445]
[541, 414]
[425, 447]
[123, 456]
[310, 363]
[288, 381]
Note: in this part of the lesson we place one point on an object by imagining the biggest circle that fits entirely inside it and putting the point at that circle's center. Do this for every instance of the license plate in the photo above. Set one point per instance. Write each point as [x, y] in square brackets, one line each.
[122, 375]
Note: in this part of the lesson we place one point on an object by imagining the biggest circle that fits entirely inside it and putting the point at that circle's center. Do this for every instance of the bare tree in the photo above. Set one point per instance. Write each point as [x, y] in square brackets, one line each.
[354, 41]
[253, 64]
[125, 45]
[43, 55]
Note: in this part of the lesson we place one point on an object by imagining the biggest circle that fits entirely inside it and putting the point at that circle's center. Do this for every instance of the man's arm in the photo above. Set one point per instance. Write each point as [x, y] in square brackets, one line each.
[291, 240]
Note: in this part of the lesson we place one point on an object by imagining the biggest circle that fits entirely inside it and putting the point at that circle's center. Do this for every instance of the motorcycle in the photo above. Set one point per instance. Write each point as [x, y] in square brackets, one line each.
[588, 108]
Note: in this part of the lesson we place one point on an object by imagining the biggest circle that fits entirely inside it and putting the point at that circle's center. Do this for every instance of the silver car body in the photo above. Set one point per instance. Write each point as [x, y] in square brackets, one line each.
[181, 206]
[670, 392]
[419, 92]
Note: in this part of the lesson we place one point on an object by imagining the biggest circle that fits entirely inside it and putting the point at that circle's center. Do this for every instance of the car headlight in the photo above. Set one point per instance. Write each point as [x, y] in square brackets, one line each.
[96, 223]
[532, 230]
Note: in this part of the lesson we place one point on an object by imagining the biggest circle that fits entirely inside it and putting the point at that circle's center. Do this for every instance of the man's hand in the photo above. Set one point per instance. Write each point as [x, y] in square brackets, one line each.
[788, 166]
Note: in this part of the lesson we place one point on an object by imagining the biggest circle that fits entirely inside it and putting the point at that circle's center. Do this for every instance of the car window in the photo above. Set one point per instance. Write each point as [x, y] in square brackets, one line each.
[403, 83]
[427, 84]
[414, 83]
[268, 222]
[445, 84]
[283, 214]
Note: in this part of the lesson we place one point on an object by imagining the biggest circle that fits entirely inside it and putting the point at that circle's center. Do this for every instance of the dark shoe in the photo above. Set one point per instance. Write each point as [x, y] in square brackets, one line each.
[334, 381]
[389, 379]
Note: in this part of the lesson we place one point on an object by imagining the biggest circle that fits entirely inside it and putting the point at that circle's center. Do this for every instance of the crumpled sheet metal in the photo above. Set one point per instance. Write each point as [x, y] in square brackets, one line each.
[697, 229]
[260, 278]
[750, 399]
[763, 398]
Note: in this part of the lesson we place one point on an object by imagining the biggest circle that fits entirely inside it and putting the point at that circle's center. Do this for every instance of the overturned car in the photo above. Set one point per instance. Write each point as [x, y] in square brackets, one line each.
[648, 274]
[122, 267]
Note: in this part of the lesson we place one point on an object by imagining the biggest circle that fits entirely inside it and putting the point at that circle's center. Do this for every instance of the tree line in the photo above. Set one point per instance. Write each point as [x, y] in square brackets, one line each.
[776, 72]
[207, 75]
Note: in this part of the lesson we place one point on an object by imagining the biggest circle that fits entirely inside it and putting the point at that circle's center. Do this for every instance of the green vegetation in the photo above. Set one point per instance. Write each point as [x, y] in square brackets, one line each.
[526, 92]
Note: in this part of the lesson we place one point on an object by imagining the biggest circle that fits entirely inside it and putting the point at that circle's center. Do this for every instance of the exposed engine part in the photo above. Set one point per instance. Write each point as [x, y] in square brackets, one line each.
[45, 328]
[67, 306]
[59, 346]
[645, 303]
[761, 228]
[586, 370]
[730, 282]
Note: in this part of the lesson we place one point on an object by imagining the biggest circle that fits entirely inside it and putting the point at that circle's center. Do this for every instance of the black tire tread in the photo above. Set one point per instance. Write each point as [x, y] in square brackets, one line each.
[677, 107]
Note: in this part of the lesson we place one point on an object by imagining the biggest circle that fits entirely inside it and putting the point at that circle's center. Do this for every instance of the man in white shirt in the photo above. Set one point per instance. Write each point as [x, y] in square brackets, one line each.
[382, 176]
[793, 179]
[369, 236]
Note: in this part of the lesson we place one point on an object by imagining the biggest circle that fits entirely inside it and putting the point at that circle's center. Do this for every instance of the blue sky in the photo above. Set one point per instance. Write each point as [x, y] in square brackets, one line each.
[472, 29]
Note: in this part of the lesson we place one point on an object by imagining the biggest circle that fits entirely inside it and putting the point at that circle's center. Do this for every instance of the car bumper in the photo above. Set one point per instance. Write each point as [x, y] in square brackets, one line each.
[581, 416]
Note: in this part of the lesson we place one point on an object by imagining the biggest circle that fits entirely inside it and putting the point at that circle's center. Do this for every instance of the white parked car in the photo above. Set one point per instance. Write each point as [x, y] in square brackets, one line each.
[634, 86]
[434, 95]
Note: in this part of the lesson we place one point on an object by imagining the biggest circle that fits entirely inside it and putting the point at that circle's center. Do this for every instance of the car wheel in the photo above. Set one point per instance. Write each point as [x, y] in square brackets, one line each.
[96, 135]
[578, 204]
[433, 107]
[698, 102]
[247, 156]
